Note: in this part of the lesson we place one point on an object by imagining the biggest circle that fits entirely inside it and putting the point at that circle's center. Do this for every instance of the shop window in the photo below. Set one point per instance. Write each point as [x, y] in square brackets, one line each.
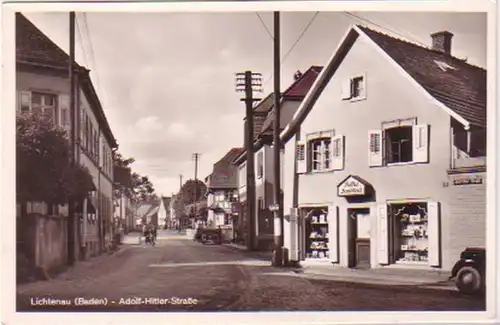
[411, 232]
[317, 236]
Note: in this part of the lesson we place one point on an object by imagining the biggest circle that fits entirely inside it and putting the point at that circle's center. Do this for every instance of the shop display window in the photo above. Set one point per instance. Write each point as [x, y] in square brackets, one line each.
[316, 222]
[411, 242]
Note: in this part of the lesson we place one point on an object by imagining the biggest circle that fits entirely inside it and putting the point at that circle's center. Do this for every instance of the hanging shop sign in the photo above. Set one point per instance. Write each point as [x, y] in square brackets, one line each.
[468, 180]
[351, 186]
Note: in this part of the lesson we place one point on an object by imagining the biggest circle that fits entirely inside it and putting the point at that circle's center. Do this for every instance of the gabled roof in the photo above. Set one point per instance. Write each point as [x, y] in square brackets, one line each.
[296, 92]
[461, 91]
[147, 208]
[225, 174]
[260, 113]
[462, 88]
[34, 48]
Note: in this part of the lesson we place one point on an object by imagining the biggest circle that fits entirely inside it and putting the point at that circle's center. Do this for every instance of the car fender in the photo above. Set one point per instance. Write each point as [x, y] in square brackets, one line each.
[460, 264]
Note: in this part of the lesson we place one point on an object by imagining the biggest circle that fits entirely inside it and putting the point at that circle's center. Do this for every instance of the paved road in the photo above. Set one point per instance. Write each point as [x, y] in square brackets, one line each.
[191, 276]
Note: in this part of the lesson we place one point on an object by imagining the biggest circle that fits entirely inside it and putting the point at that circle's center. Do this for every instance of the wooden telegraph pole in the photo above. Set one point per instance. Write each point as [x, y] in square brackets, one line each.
[71, 203]
[196, 158]
[278, 206]
[249, 82]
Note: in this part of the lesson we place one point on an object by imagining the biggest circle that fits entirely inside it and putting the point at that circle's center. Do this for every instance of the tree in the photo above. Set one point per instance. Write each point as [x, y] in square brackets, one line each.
[44, 172]
[143, 188]
[135, 186]
[192, 191]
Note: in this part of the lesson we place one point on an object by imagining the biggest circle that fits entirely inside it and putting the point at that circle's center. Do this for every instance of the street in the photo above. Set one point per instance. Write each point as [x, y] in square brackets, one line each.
[181, 275]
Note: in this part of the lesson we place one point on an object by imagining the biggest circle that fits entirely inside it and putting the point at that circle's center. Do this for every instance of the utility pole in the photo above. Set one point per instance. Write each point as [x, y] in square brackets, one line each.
[249, 82]
[180, 181]
[71, 201]
[278, 206]
[196, 158]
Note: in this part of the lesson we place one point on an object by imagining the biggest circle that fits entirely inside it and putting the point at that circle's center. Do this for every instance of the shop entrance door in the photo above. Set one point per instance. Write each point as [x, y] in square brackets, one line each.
[358, 226]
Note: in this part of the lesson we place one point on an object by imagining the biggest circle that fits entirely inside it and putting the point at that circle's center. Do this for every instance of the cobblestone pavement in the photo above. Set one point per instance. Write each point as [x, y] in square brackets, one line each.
[196, 277]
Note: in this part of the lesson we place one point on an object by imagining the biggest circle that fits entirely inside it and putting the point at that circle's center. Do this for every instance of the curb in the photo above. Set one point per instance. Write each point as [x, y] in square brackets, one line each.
[254, 254]
[438, 285]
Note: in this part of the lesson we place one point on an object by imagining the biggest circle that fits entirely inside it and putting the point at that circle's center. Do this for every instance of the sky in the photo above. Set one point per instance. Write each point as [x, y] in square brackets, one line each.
[166, 80]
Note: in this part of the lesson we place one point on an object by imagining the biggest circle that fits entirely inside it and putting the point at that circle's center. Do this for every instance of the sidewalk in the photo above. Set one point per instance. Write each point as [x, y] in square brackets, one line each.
[382, 276]
[262, 255]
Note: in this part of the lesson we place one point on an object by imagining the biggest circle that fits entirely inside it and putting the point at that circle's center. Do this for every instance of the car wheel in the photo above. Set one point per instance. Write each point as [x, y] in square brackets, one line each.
[469, 280]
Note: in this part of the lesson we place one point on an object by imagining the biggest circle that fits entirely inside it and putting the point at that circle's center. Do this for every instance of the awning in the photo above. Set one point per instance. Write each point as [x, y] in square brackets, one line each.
[90, 207]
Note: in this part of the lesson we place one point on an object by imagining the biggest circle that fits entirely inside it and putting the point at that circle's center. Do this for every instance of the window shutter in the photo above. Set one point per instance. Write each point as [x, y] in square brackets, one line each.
[433, 233]
[420, 143]
[63, 111]
[375, 148]
[333, 233]
[301, 157]
[346, 89]
[24, 104]
[382, 225]
[337, 152]
[294, 237]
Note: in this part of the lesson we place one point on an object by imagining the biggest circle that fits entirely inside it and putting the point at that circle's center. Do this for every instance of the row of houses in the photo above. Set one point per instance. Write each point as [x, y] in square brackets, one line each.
[42, 84]
[383, 160]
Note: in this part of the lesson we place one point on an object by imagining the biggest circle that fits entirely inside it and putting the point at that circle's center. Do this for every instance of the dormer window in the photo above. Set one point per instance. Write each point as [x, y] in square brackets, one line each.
[444, 66]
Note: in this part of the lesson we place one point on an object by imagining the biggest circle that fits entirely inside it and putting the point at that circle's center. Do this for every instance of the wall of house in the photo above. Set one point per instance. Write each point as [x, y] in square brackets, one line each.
[29, 81]
[389, 96]
[102, 173]
[468, 210]
[43, 239]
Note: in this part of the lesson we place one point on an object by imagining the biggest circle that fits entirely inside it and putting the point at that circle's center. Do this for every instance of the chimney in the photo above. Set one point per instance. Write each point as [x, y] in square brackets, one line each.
[297, 75]
[441, 41]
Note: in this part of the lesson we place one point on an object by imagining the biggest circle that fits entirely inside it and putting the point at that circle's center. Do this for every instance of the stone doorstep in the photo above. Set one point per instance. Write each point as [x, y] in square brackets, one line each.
[407, 276]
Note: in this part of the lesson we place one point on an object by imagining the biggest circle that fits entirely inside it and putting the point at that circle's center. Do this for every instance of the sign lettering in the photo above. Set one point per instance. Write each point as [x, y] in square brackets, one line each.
[468, 180]
[351, 187]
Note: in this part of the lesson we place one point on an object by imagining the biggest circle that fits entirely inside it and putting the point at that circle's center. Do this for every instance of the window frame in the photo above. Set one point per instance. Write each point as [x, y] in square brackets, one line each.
[43, 106]
[260, 164]
[242, 175]
[324, 152]
[397, 123]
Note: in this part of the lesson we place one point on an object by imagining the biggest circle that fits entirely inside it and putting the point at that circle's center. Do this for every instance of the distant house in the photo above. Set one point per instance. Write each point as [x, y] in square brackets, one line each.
[263, 159]
[148, 211]
[386, 168]
[222, 193]
[164, 217]
[42, 85]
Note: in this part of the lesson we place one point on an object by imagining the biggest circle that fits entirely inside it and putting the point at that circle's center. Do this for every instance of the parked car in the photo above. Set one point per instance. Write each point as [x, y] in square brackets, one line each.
[470, 271]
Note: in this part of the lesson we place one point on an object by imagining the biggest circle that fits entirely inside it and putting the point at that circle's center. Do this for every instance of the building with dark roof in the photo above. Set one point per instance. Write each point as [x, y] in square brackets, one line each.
[263, 135]
[43, 86]
[385, 157]
[222, 186]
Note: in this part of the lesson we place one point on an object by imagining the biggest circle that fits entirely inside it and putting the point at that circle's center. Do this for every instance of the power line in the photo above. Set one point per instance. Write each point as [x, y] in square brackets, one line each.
[92, 56]
[410, 37]
[265, 26]
[80, 37]
[294, 44]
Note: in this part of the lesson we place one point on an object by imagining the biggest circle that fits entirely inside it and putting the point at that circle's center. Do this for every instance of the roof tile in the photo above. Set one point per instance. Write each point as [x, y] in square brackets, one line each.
[462, 89]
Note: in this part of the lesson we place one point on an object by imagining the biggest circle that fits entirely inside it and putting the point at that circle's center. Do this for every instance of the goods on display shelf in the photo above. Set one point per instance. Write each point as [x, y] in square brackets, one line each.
[317, 234]
[413, 233]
